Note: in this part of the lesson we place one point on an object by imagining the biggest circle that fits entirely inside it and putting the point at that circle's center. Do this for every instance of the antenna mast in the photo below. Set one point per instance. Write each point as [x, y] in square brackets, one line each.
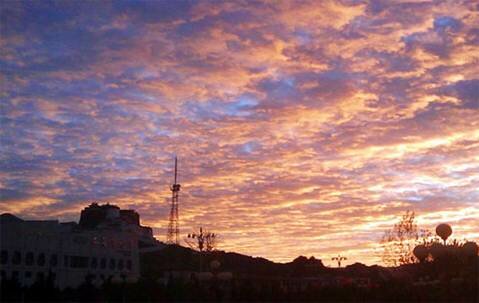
[173, 226]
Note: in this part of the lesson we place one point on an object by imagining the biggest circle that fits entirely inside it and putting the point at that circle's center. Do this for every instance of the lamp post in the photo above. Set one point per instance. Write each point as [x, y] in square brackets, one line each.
[339, 258]
[202, 239]
[214, 266]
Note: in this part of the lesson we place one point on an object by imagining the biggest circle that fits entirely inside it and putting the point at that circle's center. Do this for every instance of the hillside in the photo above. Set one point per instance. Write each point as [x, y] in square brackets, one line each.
[174, 257]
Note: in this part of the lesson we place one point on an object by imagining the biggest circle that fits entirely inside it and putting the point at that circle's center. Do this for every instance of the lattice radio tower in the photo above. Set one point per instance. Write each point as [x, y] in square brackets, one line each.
[173, 226]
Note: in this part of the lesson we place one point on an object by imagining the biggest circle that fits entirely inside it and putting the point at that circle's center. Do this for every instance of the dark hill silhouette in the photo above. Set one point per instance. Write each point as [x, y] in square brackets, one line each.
[179, 258]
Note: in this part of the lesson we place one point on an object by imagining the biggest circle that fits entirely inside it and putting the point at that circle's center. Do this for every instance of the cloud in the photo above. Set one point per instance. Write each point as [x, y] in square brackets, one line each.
[467, 91]
[295, 123]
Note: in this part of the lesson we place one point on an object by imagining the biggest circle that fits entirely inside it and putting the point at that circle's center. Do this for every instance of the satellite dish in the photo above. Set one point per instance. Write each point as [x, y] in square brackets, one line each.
[470, 249]
[444, 231]
[421, 252]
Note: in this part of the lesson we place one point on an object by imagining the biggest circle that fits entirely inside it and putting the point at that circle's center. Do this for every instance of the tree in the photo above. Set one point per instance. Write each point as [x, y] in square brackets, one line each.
[398, 243]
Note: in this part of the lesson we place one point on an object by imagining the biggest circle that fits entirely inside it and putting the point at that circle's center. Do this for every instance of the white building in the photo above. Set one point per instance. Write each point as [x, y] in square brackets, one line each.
[99, 249]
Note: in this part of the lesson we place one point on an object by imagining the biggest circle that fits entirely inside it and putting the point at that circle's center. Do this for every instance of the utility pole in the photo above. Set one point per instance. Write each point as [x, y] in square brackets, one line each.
[173, 234]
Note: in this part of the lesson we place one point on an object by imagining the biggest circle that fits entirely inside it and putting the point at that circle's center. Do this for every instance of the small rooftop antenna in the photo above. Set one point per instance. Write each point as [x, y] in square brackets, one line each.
[173, 234]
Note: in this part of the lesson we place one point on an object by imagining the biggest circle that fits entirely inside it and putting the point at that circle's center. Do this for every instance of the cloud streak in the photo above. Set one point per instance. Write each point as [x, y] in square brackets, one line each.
[295, 123]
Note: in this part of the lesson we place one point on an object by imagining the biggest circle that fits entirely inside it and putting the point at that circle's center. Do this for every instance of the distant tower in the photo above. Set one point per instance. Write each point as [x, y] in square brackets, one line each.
[173, 226]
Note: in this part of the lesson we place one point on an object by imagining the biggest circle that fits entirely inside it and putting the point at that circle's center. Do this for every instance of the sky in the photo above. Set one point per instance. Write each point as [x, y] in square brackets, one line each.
[301, 128]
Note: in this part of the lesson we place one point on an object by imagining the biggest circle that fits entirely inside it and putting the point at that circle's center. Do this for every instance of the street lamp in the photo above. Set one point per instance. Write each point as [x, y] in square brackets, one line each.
[202, 239]
[339, 258]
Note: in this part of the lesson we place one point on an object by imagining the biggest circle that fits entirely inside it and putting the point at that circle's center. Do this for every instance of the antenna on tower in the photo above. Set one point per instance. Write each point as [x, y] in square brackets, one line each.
[173, 234]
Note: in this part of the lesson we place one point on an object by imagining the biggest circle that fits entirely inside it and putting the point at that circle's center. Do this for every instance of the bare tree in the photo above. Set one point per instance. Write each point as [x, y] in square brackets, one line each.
[398, 243]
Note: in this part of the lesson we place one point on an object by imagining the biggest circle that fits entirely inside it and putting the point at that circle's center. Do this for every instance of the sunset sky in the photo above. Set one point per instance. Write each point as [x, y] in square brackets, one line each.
[301, 128]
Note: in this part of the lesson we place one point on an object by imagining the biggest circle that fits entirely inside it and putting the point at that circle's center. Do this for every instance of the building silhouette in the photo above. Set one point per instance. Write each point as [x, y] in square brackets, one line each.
[104, 246]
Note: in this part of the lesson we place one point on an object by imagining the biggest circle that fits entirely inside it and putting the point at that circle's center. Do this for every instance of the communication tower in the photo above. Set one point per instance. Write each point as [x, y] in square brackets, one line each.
[173, 226]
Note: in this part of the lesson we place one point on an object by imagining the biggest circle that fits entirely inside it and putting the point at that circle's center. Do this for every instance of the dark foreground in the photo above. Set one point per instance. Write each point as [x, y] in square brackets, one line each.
[244, 291]
[171, 275]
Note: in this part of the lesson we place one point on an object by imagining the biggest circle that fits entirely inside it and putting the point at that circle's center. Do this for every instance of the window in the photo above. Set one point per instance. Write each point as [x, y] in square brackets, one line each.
[89, 278]
[17, 258]
[15, 275]
[3, 275]
[29, 258]
[78, 262]
[94, 263]
[80, 240]
[94, 240]
[128, 264]
[103, 263]
[4, 257]
[53, 260]
[41, 259]
[28, 274]
[112, 264]
[65, 261]
[120, 264]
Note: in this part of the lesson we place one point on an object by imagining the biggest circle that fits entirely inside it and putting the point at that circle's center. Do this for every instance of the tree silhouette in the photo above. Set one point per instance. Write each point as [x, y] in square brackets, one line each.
[398, 243]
